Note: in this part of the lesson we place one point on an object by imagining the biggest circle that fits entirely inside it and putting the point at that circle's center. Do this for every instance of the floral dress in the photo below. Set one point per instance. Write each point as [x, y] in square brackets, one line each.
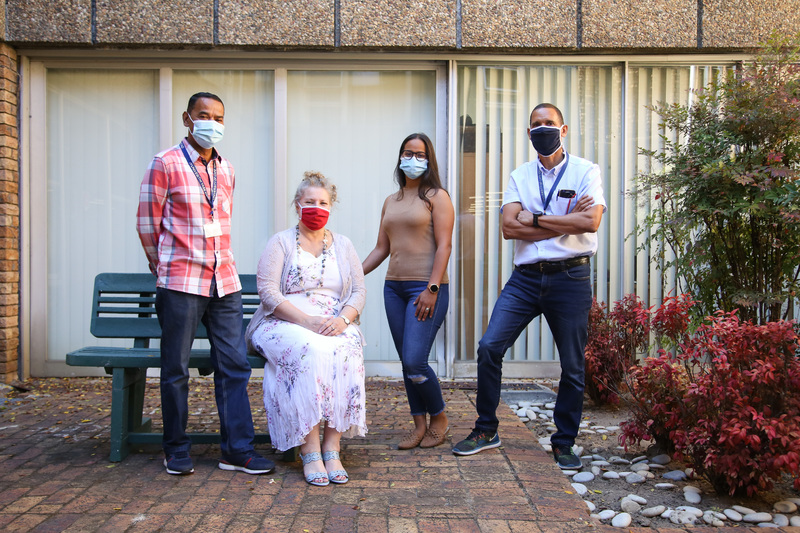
[311, 377]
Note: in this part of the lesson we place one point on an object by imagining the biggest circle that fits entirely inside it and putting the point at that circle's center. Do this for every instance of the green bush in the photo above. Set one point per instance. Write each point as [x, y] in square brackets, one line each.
[725, 196]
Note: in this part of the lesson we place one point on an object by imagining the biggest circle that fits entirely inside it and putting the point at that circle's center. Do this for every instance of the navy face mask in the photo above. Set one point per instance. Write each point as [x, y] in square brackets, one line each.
[546, 140]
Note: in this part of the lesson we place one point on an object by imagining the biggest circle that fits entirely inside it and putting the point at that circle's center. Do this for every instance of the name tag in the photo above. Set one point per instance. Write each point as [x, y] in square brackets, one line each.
[212, 229]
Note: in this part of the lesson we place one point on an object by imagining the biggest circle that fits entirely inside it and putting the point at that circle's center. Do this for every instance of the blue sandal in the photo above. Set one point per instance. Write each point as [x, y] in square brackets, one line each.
[334, 456]
[310, 458]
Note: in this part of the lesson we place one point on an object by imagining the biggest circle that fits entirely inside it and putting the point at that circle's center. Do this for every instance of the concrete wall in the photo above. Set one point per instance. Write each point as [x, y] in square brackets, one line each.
[468, 25]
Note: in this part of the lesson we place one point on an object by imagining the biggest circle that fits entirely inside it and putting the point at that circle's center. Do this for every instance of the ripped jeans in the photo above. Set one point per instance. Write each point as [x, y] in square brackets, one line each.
[413, 339]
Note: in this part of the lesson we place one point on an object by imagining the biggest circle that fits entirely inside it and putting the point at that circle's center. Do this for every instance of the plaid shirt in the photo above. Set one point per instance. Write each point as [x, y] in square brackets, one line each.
[172, 212]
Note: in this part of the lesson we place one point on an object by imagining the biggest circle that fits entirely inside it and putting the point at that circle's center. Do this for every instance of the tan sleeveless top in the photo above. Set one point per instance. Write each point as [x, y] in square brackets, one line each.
[412, 246]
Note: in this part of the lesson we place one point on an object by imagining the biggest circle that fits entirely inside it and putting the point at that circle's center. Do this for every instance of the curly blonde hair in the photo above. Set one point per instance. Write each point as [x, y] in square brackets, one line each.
[312, 178]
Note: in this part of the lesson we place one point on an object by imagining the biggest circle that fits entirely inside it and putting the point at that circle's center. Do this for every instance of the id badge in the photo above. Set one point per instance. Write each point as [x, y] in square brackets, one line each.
[212, 229]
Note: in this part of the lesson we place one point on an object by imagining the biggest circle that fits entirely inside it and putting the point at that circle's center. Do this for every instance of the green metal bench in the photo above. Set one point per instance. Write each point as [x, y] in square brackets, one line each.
[123, 307]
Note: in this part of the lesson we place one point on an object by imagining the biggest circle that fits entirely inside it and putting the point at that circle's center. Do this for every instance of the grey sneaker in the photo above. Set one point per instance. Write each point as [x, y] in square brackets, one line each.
[477, 442]
[566, 458]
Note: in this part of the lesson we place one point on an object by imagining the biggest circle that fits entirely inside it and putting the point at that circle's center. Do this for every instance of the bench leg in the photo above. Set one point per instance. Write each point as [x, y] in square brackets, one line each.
[127, 402]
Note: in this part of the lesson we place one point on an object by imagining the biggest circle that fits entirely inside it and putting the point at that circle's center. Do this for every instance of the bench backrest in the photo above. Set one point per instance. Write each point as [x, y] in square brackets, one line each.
[123, 306]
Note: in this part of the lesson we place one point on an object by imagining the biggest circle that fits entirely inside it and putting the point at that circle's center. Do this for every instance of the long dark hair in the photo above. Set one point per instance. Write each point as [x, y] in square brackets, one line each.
[429, 181]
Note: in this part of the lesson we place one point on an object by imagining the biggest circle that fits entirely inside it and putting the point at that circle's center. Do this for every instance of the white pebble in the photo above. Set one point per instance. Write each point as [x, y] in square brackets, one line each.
[596, 470]
[692, 497]
[682, 517]
[600, 462]
[667, 513]
[689, 509]
[767, 524]
[743, 510]
[582, 477]
[629, 506]
[550, 405]
[580, 488]
[590, 505]
[785, 506]
[577, 450]
[665, 486]
[781, 520]
[689, 488]
[621, 520]
[606, 514]
[634, 478]
[613, 428]
[640, 467]
[569, 472]
[618, 461]
[710, 518]
[587, 432]
[795, 501]
[530, 413]
[610, 475]
[551, 429]
[542, 416]
[733, 515]
[794, 521]
[754, 518]
[653, 511]
[521, 412]
[639, 459]
[637, 499]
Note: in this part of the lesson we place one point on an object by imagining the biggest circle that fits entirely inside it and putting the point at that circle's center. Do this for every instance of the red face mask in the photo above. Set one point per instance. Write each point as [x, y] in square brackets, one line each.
[314, 217]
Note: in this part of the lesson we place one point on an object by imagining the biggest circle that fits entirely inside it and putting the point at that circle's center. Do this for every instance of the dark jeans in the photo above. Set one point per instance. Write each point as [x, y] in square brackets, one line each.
[413, 339]
[564, 298]
[179, 315]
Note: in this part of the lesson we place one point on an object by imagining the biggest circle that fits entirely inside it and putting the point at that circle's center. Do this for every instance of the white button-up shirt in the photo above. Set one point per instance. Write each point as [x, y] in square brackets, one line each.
[583, 177]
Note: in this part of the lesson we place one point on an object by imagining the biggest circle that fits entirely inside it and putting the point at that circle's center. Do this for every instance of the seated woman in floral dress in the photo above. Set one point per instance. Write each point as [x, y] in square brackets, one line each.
[312, 288]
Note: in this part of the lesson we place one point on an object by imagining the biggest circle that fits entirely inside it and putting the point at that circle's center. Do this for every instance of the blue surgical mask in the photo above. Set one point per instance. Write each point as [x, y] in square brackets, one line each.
[413, 168]
[546, 140]
[207, 133]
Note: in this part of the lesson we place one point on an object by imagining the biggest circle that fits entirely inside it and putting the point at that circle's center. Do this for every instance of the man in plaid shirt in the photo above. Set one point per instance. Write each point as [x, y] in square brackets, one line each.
[184, 223]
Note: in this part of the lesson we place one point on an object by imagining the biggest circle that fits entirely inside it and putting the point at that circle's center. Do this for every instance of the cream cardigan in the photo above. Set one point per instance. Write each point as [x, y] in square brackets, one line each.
[273, 267]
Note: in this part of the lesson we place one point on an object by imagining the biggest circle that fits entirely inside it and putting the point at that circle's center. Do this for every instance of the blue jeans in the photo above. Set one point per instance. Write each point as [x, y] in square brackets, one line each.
[564, 298]
[413, 339]
[179, 314]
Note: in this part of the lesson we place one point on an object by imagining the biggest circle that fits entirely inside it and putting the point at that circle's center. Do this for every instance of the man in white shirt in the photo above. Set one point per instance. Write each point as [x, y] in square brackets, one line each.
[552, 209]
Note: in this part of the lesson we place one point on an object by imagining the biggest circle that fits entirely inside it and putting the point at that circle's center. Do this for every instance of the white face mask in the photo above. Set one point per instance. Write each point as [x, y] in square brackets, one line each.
[412, 167]
[207, 133]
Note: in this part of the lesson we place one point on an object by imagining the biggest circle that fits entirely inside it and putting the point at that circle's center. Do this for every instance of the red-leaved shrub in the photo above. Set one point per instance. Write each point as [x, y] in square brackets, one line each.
[729, 403]
[614, 340]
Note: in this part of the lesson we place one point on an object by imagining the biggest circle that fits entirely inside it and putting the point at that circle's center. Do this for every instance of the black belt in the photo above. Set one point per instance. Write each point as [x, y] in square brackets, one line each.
[546, 267]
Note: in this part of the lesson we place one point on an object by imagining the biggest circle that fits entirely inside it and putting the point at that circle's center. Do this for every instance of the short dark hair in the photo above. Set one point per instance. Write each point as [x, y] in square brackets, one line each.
[197, 96]
[547, 106]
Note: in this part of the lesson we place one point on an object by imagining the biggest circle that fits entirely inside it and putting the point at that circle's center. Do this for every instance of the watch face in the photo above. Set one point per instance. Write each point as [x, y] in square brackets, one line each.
[434, 288]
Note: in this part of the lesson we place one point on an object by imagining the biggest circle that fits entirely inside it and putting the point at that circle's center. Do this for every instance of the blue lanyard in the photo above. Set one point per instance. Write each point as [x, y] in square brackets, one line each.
[213, 196]
[555, 184]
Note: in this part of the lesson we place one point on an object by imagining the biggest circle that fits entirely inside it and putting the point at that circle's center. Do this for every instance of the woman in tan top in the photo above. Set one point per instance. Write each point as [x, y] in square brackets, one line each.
[415, 233]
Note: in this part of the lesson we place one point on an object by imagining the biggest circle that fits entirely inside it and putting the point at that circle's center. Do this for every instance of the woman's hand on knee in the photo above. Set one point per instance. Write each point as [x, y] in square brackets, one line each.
[332, 326]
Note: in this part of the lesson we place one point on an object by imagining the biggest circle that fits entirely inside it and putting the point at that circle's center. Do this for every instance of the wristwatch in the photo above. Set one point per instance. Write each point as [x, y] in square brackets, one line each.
[536, 218]
[434, 288]
[346, 320]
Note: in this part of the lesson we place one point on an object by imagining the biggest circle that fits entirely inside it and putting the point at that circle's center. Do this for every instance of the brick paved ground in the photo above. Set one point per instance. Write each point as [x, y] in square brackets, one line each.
[55, 474]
